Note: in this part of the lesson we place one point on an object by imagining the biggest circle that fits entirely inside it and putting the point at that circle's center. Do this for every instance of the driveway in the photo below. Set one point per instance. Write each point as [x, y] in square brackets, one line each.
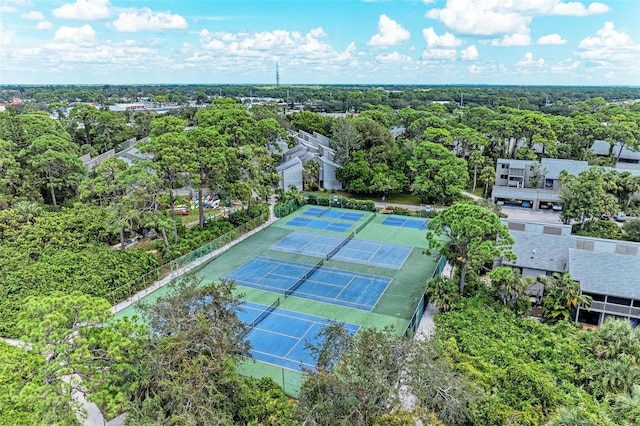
[520, 213]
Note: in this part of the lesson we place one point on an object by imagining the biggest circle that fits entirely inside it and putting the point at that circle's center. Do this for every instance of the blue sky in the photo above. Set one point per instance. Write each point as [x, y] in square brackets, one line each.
[524, 42]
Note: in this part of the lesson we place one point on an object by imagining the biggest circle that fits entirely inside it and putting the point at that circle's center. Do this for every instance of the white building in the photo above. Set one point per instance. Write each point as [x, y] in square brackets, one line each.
[309, 147]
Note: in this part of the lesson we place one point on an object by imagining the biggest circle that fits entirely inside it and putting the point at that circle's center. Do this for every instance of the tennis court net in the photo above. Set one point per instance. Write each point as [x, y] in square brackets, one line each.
[361, 227]
[264, 314]
[302, 279]
[339, 246]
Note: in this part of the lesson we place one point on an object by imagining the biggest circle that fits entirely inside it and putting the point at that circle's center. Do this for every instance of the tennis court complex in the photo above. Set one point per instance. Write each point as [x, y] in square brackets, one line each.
[349, 250]
[319, 224]
[405, 222]
[329, 285]
[280, 336]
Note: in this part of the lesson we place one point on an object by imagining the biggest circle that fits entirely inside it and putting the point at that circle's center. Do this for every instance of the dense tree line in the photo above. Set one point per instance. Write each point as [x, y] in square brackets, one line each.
[57, 222]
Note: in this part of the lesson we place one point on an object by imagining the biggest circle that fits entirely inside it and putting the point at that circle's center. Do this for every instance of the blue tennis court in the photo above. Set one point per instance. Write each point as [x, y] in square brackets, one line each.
[329, 285]
[319, 224]
[281, 336]
[405, 222]
[357, 251]
[333, 214]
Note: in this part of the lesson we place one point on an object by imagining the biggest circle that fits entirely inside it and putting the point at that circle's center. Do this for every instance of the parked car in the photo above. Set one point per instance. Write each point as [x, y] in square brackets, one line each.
[556, 207]
[620, 217]
[544, 206]
[181, 210]
[605, 216]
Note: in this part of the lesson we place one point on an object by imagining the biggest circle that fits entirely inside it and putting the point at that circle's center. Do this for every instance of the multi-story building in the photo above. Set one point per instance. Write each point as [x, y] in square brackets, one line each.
[532, 184]
[535, 184]
[607, 270]
[309, 147]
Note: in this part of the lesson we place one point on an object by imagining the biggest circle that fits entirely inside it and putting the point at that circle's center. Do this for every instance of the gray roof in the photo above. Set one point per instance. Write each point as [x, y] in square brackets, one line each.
[288, 164]
[294, 150]
[541, 251]
[549, 195]
[606, 273]
[397, 131]
[601, 147]
[554, 167]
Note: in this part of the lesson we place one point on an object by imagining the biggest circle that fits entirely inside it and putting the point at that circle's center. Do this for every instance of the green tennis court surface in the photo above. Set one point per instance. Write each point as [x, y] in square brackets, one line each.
[279, 338]
[359, 251]
[329, 285]
[354, 286]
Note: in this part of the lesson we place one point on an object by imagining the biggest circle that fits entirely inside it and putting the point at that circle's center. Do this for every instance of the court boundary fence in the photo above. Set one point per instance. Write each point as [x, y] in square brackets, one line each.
[172, 268]
[422, 305]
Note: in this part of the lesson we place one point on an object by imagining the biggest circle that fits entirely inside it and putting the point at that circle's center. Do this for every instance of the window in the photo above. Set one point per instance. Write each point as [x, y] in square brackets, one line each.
[516, 226]
[619, 300]
[595, 297]
[504, 166]
[584, 245]
[552, 230]
[626, 249]
[504, 176]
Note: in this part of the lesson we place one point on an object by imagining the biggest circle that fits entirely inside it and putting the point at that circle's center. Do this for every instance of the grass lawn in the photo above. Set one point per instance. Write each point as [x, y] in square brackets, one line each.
[395, 198]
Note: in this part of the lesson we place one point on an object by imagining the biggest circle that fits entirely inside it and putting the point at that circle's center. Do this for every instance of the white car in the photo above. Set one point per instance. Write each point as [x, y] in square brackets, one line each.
[556, 207]
[620, 217]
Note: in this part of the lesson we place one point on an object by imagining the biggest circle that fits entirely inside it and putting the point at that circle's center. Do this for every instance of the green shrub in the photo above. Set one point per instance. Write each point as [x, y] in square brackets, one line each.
[600, 229]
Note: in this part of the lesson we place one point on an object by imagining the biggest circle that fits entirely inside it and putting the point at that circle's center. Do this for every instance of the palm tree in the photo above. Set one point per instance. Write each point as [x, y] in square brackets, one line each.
[509, 284]
[626, 407]
[443, 292]
[616, 340]
[619, 376]
[562, 297]
[28, 211]
[571, 417]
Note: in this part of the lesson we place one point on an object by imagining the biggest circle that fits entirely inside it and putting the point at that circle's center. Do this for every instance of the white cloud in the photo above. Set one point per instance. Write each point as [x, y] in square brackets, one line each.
[86, 10]
[609, 45]
[487, 70]
[135, 20]
[469, 54]
[510, 19]
[44, 25]
[565, 66]
[33, 16]
[6, 36]
[481, 17]
[529, 61]
[517, 39]
[14, 5]
[393, 57]
[551, 39]
[446, 40]
[292, 46]
[439, 54]
[390, 33]
[578, 9]
[75, 35]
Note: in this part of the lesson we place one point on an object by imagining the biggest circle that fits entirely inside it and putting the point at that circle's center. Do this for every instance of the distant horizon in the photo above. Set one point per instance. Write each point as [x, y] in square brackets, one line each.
[272, 85]
[328, 42]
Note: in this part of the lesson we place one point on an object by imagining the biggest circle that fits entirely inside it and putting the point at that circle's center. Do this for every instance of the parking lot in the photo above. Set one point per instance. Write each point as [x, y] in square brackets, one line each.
[521, 213]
